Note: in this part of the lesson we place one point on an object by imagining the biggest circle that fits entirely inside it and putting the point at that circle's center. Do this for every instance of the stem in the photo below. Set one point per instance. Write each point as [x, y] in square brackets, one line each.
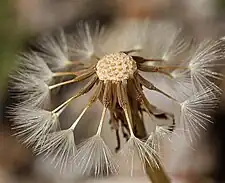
[154, 60]
[101, 121]
[155, 173]
[61, 84]
[57, 74]
[63, 104]
[73, 126]
[141, 60]
[84, 90]
[129, 122]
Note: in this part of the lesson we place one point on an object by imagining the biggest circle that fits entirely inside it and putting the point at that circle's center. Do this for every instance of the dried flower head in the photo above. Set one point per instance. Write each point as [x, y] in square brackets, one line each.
[118, 66]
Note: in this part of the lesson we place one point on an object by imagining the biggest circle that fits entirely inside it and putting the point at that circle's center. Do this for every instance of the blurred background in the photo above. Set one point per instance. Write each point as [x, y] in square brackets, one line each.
[22, 21]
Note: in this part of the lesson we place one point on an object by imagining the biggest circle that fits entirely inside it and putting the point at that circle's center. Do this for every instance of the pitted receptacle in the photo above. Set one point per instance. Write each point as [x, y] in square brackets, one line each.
[116, 67]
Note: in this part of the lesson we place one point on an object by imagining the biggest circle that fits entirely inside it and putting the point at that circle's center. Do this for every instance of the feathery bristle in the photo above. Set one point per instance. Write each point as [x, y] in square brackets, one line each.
[84, 45]
[55, 50]
[33, 65]
[30, 90]
[146, 153]
[203, 62]
[94, 157]
[181, 85]
[195, 112]
[157, 136]
[60, 148]
[34, 124]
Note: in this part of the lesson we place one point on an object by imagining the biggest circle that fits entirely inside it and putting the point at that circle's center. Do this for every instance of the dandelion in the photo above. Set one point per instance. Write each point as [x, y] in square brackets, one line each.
[116, 75]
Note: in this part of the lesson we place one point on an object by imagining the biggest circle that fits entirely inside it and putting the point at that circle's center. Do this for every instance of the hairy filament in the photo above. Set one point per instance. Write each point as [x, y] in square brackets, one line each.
[61, 84]
[75, 63]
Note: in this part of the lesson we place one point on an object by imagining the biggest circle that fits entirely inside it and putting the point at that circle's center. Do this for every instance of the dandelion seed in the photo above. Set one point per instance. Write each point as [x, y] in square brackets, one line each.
[94, 157]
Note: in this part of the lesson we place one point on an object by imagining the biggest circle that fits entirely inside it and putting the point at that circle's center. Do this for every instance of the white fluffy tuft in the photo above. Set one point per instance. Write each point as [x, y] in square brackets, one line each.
[156, 138]
[33, 65]
[55, 50]
[203, 64]
[195, 112]
[30, 90]
[181, 85]
[34, 124]
[94, 157]
[145, 152]
[158, 40]
[60, 148]
[85, 44]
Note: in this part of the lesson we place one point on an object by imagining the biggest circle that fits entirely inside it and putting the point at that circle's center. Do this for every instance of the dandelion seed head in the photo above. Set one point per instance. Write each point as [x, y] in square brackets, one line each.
[116, 67]
[113, 73]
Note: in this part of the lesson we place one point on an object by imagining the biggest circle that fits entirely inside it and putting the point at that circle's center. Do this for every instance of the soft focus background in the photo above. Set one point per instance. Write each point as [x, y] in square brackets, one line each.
[21, 21]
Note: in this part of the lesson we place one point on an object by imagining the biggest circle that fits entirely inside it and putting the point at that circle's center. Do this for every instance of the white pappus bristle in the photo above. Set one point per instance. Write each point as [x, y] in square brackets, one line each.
[33, 65]
[145, 152]
[204, 65]
[196, 111]
[156, 137]
[34, 124]
[95, 158]
[61, 149]
[181, 85]
[30, 90]
[55, 50]
[84, 45]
